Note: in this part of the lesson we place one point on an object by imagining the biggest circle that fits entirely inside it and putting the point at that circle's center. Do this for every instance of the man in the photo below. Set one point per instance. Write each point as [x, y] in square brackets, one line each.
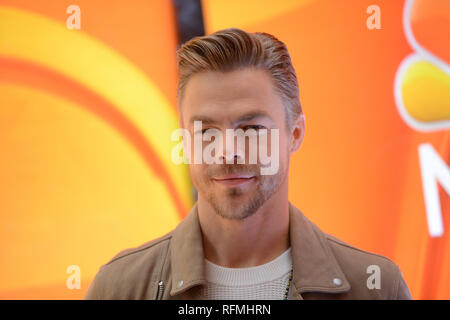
[243, 239]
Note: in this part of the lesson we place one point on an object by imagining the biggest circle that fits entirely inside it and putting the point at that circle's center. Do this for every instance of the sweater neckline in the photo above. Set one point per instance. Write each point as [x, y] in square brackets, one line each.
[269, 271]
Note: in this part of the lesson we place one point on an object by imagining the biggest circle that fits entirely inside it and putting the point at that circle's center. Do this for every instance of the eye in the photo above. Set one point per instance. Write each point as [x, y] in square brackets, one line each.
[255, 127]
[201, 131]
[211, 130]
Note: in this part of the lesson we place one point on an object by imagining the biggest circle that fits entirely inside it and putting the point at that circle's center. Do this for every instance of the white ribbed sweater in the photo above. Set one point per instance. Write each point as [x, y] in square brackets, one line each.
[263, 282]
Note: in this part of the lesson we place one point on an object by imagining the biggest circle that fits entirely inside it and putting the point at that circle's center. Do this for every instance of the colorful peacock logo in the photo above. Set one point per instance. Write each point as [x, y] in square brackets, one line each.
[422, 94]
[422, 82]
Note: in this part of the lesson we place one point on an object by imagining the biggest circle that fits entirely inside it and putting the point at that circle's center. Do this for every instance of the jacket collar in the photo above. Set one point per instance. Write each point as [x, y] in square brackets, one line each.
[187, 257]
[315, 268]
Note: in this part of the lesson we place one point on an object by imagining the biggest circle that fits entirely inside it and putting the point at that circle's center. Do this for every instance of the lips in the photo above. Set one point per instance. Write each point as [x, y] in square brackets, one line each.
[234, 176]
[234, 180]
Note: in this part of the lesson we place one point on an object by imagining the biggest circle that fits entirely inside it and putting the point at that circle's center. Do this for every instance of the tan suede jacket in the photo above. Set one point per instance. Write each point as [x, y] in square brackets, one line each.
[172, 267]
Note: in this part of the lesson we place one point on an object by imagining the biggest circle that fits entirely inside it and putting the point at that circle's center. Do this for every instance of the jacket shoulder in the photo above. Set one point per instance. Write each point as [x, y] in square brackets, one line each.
[346, 250]
[143, 249]
[370, 275]
[128, 273]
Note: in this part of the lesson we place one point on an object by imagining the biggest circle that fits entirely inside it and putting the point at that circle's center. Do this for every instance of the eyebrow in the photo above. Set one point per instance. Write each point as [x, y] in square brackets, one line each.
[246, 117]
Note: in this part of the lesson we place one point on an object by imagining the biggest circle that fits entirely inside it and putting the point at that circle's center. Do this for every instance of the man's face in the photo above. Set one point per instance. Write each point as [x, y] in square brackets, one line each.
[242, 99]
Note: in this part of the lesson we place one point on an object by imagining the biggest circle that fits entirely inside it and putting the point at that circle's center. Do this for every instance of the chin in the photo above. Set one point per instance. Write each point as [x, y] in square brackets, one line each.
[236, 208]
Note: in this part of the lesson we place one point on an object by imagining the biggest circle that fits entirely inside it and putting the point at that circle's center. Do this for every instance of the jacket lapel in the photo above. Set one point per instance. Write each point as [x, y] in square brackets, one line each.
[187, 256]
[315, 268]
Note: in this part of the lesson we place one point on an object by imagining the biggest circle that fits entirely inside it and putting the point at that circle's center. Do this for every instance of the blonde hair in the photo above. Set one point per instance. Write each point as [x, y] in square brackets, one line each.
[231, 49]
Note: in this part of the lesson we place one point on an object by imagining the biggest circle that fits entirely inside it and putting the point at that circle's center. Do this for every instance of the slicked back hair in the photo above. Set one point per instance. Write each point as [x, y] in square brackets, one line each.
[232, 49]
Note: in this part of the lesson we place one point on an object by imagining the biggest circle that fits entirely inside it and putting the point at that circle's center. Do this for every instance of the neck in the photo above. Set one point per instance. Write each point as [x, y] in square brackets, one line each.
[250, 242]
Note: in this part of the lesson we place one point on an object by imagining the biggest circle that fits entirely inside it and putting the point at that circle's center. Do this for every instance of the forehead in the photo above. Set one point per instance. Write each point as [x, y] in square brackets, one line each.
[228, 95]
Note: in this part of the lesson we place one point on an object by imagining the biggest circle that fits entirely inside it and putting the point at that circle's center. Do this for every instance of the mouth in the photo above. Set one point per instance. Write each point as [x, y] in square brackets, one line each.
[234, 180]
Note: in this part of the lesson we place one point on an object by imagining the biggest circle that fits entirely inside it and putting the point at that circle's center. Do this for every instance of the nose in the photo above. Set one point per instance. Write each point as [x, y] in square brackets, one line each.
[233, 152]
[231, 158]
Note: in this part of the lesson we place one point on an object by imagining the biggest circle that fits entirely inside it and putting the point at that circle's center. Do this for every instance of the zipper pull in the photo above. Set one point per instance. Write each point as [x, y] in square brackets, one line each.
[160, 293]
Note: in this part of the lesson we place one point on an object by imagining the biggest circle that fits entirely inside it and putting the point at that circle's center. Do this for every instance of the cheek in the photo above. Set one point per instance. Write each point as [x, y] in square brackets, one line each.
[198, 175]
[283, 146]
[194, 173]
[274, 144]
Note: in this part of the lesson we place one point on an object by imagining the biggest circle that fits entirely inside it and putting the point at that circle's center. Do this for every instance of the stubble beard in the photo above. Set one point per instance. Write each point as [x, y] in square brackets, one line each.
[234, 205]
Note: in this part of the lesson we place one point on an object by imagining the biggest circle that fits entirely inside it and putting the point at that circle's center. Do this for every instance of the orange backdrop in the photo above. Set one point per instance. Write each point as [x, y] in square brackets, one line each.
[86, 118]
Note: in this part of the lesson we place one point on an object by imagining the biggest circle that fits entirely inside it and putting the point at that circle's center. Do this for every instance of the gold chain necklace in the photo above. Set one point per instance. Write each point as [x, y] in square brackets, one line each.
[286, 293]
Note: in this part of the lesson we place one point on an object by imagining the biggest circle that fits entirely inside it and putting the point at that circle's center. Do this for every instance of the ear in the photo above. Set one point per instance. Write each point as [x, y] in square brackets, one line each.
[297, 133]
